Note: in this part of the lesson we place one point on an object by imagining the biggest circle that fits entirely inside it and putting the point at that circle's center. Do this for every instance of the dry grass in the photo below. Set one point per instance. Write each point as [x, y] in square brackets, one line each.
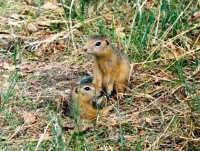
[39, 61]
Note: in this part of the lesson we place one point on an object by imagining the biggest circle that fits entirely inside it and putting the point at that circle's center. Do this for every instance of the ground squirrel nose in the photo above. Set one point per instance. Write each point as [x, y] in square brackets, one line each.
[84, 49]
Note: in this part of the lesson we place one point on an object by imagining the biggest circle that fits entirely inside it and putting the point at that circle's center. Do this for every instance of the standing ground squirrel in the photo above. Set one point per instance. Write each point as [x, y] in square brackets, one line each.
[83, 95]
[111, 67]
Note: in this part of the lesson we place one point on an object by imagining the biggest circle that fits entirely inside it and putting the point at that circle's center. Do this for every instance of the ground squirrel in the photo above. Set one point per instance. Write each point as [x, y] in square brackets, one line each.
[82, 99]
[111, 67]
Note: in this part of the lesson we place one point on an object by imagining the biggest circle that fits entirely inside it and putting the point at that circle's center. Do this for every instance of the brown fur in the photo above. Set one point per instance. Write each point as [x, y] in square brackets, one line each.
[82, 101]
[111, 67]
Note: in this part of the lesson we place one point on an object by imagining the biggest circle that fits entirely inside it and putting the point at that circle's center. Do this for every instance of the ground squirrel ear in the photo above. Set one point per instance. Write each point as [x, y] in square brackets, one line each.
[107, 42]
[76, 90]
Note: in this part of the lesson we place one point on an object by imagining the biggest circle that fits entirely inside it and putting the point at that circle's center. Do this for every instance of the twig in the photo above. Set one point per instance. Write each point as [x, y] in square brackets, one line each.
[130, 72]
[70, 23]
[190, 139]
[42, 136]
[166, 32]
[158, 139]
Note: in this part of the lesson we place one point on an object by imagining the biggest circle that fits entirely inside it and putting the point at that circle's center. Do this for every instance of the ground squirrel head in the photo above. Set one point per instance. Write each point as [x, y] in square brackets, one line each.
[85, 91]
[97, 45]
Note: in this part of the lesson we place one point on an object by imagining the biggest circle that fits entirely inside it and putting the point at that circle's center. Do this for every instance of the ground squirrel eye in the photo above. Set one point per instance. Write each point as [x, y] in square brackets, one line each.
[98, 44]
[87, 89]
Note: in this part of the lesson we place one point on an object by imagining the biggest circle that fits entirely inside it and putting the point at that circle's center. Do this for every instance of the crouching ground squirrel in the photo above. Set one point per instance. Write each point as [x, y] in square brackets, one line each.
[82, 99]
[111, 67]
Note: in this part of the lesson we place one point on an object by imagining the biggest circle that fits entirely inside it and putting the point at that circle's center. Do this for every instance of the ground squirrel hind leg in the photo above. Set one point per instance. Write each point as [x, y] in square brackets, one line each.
[119, 89]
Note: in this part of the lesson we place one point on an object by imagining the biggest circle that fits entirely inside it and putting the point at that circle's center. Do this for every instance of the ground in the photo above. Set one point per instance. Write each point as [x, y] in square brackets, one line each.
[40, 60]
